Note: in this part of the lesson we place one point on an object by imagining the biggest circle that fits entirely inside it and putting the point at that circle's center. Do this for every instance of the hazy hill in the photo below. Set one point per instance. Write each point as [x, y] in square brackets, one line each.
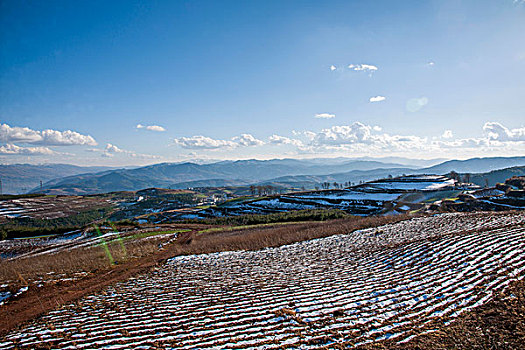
[20, 178]
[211, 183]
[493, 177]
[285, 172]
[476, 165]
[354, 176]
[170, 174]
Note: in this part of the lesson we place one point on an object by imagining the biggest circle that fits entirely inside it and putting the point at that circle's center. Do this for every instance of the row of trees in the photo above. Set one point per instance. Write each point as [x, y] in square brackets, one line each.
[336, 185]
[266, 190]
[263, 190]
[466, 178]
[269, 190]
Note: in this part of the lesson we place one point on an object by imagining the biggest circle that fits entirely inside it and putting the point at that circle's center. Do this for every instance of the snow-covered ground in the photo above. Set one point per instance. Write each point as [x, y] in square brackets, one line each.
[426, 185]
[365, 199]
[350, 195]
[385, 282]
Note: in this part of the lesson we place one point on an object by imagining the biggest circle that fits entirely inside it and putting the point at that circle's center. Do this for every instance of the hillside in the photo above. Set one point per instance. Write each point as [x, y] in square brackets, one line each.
[476, 165]
[354, 176]
[493, 177]
[20, 178]
[286, 173]
[334, 287]
[170, 174]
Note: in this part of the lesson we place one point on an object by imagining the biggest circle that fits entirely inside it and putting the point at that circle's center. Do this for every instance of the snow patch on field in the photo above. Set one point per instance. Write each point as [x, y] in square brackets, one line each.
[356, 287]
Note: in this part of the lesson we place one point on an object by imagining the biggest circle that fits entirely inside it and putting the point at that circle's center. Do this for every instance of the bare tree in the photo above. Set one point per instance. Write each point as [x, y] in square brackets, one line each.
[453, 175]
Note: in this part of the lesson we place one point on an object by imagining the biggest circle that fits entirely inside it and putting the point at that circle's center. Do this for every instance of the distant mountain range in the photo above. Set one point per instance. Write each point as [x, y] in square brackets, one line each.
[192, 175]
[66, 179]
[21, 178]
[476, 165]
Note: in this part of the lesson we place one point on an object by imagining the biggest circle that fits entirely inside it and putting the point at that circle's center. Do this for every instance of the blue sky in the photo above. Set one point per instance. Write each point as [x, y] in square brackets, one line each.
[260, 79]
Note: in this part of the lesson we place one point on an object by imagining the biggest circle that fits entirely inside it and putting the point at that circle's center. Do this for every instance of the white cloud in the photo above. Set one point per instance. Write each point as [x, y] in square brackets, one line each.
[361, 138]
[377, 98]
[343, 134]
[324, 116]
[18, 134]
[47, 137]
[65, 138]
[332, 67]
[283, 140]
[151, 127]
[447, 134]
[415, 104]
[497, 137]
[496, 131]
[247, 140]
[310, 135]
[111, 150]
[469, 143]
[203, 142]
[363, 67]
[11, 149]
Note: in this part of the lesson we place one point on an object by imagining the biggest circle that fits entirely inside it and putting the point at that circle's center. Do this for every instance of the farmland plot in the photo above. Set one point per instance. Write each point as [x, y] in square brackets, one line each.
[48, 207]
[382, 283]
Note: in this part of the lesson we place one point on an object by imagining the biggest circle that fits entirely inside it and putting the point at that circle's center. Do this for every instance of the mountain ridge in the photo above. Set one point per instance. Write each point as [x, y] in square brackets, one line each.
[290, 172]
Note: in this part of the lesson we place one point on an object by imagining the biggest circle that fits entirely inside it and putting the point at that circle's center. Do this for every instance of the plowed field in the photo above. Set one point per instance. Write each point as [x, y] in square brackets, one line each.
[353, 288]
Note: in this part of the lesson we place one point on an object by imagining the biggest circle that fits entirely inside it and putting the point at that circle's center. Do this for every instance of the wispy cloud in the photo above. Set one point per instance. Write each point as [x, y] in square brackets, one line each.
[447, 134]
[415, 104]
[377, 98]
[283, 140]
[324, 116]
[151, 127]
[361, 138]
[112, 149]
[363, 67]
[496, 131]
[204, 142]
[46, 137]
[247, 140]
[11, 149]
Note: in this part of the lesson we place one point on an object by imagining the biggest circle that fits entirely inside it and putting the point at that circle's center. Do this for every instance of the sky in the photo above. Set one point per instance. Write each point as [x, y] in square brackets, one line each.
[140, 82]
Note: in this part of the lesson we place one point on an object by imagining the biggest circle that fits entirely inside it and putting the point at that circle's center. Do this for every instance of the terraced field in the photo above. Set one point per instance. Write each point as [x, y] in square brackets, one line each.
[48, 207]
[388, 282]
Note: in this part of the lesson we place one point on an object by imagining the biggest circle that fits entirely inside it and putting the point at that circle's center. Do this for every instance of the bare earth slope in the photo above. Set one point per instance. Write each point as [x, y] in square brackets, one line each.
[391, 282]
